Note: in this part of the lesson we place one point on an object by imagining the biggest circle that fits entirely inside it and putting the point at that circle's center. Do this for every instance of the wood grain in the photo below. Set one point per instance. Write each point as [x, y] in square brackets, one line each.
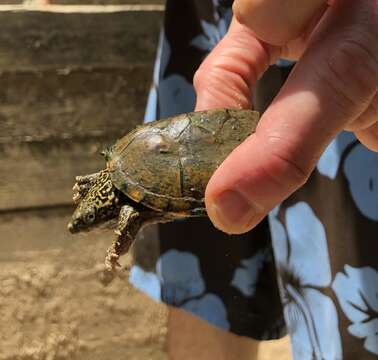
[71, 83]
[51, 104]
[42, 174]
[38, 40]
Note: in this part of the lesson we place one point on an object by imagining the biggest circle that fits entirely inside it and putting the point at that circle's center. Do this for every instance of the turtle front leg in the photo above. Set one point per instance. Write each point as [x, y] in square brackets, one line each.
[129, 223]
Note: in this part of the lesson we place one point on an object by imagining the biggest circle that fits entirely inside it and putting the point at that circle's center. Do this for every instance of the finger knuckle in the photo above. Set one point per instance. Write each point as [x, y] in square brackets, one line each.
[352, 70]
[285, 162]
[292, 173]
[207, 77]
[368, 118]
[227, 87]
[364, 57]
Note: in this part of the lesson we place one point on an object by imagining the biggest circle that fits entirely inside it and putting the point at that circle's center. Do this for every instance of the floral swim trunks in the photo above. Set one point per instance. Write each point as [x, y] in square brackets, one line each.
[309, 269]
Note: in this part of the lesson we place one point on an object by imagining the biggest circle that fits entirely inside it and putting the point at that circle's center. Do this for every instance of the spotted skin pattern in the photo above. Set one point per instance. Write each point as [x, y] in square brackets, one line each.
[100, 202]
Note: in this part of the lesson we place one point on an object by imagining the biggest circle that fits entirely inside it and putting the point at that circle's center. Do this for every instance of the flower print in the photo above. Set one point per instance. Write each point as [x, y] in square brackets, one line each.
[278, 233]
[150, 113]
[172, 94]
[216, 4]
[308, 245]
[178, 281]
[245, 277]
[302, 259]
[176, 95]
[183, 286]
[361, 170]
[209, 308]
[329, 162]
[145, 281]
[357, 292]
[180, 276]
[212, 33]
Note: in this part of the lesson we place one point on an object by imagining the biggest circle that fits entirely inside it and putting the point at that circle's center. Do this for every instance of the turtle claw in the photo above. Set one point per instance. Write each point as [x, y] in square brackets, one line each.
[76, 198]
[82, 179]
[111, 260]
[82, 185]
[80, 190]
[85, 179]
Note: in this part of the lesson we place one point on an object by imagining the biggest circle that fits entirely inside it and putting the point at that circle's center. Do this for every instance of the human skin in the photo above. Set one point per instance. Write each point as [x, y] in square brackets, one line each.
[333, 87]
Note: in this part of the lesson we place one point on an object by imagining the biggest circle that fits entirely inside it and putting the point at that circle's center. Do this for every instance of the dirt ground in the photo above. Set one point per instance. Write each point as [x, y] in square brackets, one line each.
[54, 305]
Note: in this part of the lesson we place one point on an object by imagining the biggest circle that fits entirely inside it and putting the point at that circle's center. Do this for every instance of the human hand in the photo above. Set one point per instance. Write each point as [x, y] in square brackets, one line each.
[334, 86]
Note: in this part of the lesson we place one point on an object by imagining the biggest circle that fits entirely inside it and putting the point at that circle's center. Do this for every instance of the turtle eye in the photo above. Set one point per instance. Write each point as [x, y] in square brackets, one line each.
[90, 218]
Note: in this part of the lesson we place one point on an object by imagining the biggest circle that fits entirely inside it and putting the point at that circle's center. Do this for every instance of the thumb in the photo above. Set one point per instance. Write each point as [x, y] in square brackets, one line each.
[333, 83]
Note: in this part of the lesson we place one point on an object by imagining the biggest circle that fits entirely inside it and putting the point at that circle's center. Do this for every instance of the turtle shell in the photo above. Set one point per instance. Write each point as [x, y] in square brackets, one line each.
[166, 164]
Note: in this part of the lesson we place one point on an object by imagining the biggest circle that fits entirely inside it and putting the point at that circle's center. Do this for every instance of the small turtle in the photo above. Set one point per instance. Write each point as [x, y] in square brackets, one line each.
[158, 173]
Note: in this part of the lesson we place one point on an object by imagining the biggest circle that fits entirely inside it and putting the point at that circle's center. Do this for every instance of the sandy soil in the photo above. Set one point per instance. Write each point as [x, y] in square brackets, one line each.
[54, 305]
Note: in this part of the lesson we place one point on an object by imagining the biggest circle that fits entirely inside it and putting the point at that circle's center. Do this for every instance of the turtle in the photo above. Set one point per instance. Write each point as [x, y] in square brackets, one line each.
[157, 173]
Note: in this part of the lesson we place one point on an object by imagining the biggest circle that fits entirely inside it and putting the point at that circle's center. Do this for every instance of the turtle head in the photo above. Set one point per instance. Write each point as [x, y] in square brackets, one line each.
[99, 205]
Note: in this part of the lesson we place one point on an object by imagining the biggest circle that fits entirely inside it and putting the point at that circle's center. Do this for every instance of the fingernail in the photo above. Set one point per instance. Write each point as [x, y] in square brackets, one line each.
[232, 213]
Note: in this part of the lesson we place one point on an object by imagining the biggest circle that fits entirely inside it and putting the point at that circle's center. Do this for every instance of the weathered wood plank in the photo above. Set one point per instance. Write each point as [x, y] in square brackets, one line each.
[53, 130]
[52, 104]
[63, 100]
[50, 39]
[42, 174]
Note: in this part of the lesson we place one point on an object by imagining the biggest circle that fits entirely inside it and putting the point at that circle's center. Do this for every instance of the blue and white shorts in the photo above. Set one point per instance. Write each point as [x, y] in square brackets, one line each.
[310, 269]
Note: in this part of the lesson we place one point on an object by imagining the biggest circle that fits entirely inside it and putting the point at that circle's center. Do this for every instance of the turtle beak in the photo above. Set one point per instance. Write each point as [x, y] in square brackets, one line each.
[72, 229]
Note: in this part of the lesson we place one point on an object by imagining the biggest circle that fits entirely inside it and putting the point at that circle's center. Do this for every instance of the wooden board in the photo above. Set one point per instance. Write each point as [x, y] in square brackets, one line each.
[42, 174]
[54, 130]
[84, 85]
[48, 105]
[37, 40]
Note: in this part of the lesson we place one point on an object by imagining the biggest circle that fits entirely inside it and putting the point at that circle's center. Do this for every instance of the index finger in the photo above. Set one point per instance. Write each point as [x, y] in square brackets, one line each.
[261, 17]
[331, 86]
